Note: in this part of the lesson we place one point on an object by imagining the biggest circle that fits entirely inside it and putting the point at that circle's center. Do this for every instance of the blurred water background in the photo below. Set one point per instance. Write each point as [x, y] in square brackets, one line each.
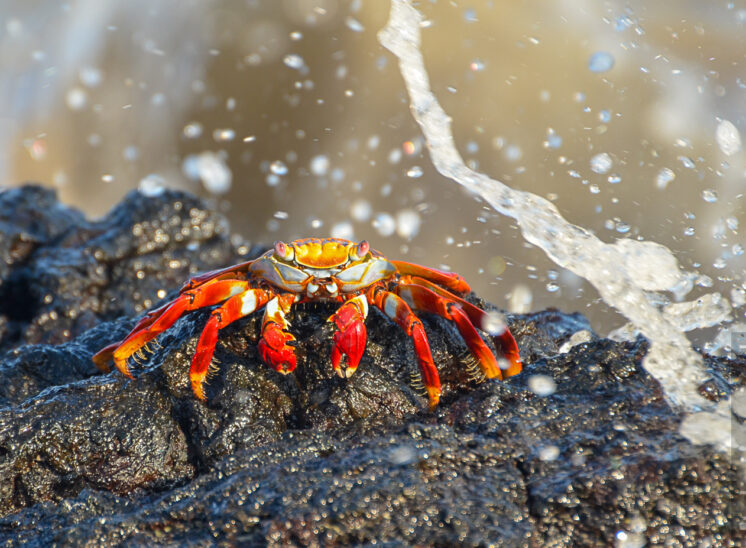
[293, 120]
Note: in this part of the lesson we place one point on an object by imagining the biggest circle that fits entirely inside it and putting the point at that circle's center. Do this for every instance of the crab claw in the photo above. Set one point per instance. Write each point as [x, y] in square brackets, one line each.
[275, 350]
[351, 336]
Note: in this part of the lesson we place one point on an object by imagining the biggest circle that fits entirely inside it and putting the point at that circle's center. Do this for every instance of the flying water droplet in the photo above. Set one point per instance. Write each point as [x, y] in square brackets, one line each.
[152, 185]
[601, 163]
[415, 172]
[728, 138]
[494, 323]
[686, 162]
[542, 385]
[319, 165]
[278, 168]
[709, 196]
[665, 176]
[601, 61]
[294, 61]
[384, 224]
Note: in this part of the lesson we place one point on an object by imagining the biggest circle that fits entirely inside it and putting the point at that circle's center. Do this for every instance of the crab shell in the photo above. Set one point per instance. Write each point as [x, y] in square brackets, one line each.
[322, 269]
[329, 269]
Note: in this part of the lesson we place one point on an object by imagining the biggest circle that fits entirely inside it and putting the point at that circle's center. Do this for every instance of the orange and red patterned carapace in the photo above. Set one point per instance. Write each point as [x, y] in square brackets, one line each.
[329, 269]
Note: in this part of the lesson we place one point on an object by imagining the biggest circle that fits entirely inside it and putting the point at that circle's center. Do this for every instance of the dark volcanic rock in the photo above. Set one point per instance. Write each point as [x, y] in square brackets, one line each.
[308, 458]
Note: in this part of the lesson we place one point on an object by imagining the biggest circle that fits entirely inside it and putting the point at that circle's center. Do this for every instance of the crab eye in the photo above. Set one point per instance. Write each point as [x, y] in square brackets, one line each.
[283, 251]
[361, 250]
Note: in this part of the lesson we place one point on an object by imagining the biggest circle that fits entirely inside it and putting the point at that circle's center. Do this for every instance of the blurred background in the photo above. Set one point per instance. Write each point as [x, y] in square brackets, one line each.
[292, 119]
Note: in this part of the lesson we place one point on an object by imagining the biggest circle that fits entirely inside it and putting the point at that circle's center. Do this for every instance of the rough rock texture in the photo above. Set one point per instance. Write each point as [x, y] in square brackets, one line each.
[308, 458]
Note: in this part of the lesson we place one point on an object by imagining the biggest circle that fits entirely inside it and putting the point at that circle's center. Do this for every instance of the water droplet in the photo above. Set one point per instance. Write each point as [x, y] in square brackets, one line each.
[294, 61]
[552, 287]
[152, 185]
[728, 138]
[520, 300]
[192, 130]
[407, 223]
[225, 134]
[553, 140]
[513, 153]
[211, 169]
[686, 162]
[278, 168]
[601, 61]
[384, 224]
[415, 172]
[476, 65]
[354, 25]
[594, 189]
[281, 215]
[542, 385]
[76, 98]
[549, 453]
[709, 195]
[320, 165]
[494, 323]
[90, 76]
[343, 230]
[601, 163]
[296, 35]
[614, 179]
[360, 210]
[665, 176]
[689, 231]
[107, 178]
[604, 116]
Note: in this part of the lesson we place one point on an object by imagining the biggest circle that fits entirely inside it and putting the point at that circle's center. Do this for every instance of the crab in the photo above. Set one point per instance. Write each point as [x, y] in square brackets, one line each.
[329, 269]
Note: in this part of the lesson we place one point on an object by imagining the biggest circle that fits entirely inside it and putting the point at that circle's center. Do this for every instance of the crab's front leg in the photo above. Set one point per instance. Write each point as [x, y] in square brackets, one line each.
[351, 336]
[273, 347]
[395, 308]
[231, 310]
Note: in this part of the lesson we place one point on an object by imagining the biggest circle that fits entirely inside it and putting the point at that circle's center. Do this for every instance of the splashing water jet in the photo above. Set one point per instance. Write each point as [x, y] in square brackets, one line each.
[616, 270]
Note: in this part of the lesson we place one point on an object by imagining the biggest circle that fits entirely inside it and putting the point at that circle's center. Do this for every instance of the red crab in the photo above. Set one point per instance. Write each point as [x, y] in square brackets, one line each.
[328, 269]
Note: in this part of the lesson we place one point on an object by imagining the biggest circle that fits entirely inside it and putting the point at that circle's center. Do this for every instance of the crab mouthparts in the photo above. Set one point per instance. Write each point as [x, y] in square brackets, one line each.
[319, 289]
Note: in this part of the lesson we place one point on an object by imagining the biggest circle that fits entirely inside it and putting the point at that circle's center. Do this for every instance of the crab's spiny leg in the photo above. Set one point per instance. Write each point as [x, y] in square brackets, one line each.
[273, 347]
[231, 310]
[231, 271]
[395, 308]
[351, 337]
[504, 341]
[422, 298]
[451, 280]
[210, 293]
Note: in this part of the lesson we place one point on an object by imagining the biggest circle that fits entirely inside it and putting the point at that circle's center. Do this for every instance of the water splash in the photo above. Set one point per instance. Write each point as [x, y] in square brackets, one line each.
[611, 268]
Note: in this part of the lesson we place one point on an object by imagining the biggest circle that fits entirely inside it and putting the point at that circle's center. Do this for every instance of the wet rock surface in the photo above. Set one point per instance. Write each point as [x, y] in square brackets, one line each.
[580, 449]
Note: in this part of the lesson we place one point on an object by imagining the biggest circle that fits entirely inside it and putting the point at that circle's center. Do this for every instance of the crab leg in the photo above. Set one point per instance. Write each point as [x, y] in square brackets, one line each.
[422, 298]
[273, 347]
[504, 341]
[231, 310]
[149, 327]
[213, 274]
[451, 280]
[351, 337]
[395, 308]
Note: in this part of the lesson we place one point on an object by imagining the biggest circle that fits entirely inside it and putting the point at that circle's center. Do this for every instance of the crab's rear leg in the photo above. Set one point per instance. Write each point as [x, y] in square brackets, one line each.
[503, 339]
[274, 347]
[351, 336]
[231, 310]
[422, 298]
[451, 280]
[395, 308]
[148, 328]
[229, 272]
